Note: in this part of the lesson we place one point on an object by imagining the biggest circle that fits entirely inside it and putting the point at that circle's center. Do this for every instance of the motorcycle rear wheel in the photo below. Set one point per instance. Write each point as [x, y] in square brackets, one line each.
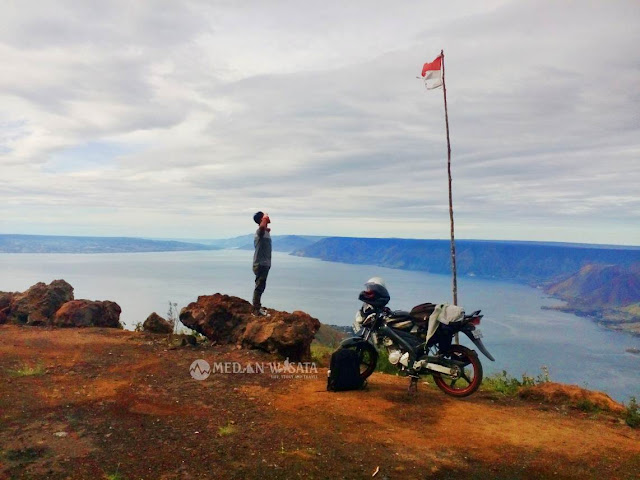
[470, 377]
[368, 356]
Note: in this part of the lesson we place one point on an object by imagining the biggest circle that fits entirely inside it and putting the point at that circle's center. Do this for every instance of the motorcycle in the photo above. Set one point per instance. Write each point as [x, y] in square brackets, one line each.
[415, 348]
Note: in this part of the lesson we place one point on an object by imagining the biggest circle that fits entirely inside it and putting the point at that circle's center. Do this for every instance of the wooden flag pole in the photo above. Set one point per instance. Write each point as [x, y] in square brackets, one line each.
[453, 243]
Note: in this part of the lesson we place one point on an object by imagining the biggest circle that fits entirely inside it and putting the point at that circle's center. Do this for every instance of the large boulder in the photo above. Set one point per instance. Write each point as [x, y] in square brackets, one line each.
[38, 304]
[288, 334]
[227, 320]
[220, 318]
[5, 299]
[88, 313]
[156, 324]
[5, 303]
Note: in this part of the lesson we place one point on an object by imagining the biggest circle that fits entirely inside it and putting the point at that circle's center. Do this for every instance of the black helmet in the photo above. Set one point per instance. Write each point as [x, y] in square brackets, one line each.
[375, 293]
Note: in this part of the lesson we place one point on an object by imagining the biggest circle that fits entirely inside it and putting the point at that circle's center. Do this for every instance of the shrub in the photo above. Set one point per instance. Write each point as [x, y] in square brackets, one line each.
[587, 406]
[502, 383]
[320, 354]
[172, 316]
[632, 413]
[543, 377]
[507, 385]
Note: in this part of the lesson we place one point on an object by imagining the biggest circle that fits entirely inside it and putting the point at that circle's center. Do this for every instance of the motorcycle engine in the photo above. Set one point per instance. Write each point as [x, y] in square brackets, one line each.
[395, 354]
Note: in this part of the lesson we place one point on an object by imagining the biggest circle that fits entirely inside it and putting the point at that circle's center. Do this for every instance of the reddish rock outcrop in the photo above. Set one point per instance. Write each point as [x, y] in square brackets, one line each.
[5, 303]
[5, 300]
[88, 313]
[558, 393]
[53, 304]
[156, 324]
[38, 304]
[226, 319]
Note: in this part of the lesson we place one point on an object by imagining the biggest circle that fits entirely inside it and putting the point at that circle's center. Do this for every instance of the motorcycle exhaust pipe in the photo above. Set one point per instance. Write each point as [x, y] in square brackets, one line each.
[436, 367]
[439, 368]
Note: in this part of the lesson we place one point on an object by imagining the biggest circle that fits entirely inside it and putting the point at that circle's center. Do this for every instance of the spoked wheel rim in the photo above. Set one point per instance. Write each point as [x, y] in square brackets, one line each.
[468, 379]
[368, 358]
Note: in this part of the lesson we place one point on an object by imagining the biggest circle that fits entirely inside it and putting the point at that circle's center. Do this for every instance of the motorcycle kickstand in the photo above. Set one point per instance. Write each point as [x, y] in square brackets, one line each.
[413, 386]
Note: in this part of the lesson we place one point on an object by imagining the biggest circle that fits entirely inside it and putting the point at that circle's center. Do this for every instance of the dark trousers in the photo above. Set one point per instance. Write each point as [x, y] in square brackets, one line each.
[261, 283]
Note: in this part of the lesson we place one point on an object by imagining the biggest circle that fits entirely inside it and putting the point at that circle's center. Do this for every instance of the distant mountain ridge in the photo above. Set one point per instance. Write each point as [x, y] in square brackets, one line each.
[608, 293]
[11, 243]
[604, 285]
[286, 243]
[527, 262]
[18, 243]
[281, 243]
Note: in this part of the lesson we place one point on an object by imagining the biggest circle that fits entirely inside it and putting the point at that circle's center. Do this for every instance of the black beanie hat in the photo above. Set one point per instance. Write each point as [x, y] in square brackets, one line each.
[258, 217]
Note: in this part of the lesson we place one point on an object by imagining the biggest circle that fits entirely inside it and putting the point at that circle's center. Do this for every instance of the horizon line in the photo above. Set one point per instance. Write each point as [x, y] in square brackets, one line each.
[195, 240]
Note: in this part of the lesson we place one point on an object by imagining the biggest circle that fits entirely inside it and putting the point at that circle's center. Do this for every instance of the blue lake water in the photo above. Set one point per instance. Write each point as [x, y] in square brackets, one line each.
[521, 336]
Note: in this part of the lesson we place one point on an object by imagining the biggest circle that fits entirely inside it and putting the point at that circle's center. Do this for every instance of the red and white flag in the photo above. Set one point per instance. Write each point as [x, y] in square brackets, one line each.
[432, 74]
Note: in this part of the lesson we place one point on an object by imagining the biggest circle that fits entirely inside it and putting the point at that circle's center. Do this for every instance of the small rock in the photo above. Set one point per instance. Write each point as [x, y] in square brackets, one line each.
[60, 434]
[156, 324]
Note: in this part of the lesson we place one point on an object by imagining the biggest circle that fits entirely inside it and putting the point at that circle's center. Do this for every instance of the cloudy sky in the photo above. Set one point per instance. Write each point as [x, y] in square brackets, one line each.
[182, 118]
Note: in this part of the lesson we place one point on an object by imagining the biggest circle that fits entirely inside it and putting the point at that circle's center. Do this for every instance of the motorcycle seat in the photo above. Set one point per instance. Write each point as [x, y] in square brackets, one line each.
[422, 312]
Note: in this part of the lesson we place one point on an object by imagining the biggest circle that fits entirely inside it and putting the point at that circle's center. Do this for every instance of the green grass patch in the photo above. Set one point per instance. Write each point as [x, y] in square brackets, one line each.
[321, 354]
[502, 383]
[226, 430]
[115, 475]
[507, 385]
[28, 370]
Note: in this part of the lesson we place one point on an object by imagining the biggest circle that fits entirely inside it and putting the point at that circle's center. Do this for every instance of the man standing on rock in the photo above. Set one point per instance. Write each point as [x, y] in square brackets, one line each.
[261, 260]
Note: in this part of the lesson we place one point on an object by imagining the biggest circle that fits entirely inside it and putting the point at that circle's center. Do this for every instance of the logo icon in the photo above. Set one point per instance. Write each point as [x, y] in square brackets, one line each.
[200, 369]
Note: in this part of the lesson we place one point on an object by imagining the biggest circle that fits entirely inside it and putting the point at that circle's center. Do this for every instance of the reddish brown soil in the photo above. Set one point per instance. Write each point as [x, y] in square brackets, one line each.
[130, 410]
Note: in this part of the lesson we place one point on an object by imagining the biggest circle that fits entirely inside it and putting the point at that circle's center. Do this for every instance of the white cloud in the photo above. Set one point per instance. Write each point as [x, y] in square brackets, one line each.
[129, 118]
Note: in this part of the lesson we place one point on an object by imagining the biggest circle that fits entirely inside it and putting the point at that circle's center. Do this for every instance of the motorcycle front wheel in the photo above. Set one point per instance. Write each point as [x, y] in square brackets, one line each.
[368, 356]
[467, 380]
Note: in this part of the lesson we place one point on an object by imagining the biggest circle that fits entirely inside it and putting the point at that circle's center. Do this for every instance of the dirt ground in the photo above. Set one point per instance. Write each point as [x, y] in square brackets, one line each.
[107, 404]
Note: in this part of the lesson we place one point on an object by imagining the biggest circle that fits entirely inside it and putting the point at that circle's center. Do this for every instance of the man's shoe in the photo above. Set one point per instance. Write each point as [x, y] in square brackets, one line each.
[262, 312]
